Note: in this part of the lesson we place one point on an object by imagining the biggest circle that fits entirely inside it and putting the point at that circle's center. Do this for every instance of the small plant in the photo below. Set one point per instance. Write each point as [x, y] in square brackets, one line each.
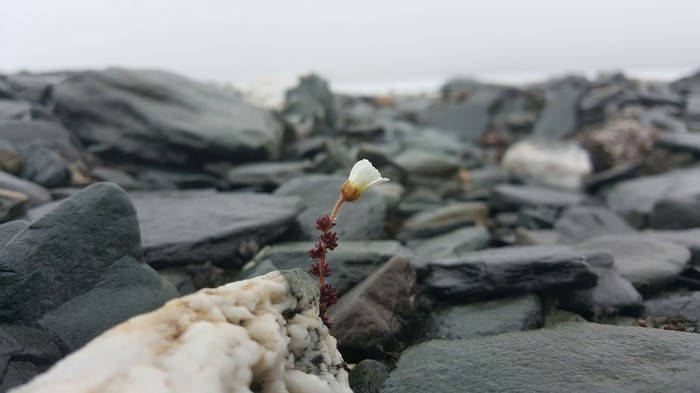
[362, 176]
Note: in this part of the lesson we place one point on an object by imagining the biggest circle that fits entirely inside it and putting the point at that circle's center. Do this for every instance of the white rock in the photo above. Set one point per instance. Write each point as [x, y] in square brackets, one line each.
[561, 164]
[262, 334]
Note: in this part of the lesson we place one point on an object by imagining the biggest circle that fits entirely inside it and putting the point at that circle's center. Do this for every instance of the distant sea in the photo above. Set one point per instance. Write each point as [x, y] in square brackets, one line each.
[269, 91]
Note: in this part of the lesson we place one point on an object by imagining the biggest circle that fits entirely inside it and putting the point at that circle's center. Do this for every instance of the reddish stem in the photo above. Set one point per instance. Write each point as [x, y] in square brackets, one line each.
[322, 258]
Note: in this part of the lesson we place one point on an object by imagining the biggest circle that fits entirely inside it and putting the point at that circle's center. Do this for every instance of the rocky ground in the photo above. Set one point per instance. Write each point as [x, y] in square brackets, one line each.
[542, 238]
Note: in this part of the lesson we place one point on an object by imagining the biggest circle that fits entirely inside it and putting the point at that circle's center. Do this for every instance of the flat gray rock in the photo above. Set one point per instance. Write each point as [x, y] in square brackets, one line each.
[351, 262]
[363, 219]
[469, 119]
[451, 244]
[266, 174]
[442, 219]
[558, 119]
[510, 269]
[686, 305]
[193, 227]
[164, 118]
[24, 133]
[689, 238]
[573, 357]
[578, 223]
[485, 318]
[648, 263]
[37, 194]
[611, 295]
[667, 201]
[515, 196]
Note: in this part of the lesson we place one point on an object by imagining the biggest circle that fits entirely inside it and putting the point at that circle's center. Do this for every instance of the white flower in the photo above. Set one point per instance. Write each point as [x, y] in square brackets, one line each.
[362, 176]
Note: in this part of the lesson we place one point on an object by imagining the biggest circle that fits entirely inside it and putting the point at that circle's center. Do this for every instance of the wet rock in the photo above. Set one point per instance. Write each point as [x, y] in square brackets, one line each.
[611, 295]
[83, 258]
[351, 262]
[310, 108]
[444, 219]
[361, 220]
[44, 166]
[509, 196]
[469, 119]
[508, 270]
[451, 244]
[558, 118]
[689, 238]
[666, 201]
[368, 376]
[37, 194]
[25, 352]
[568, 357]
[562, 165]
[578, 223]
[11, 204]
[367, 318]
[163, 118]
[267, 175]
[648, 263]
[485, 318]
[23, 133]
[193, 227]
[686, 305]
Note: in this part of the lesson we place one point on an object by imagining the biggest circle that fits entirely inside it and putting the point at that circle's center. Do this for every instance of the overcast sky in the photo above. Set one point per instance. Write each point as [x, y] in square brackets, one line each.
[359, 40]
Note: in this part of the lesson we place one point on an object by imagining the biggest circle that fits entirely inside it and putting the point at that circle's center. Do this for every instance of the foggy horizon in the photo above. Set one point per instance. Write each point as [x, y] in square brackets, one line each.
[363, 42]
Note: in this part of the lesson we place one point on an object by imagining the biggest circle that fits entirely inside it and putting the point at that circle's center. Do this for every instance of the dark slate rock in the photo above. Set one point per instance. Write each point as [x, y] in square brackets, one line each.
[510, 269]
[24, 353]
[37, 194]
[161, 178]
[10, 159]
[351, 262]
[683, 142]
[309, 106]
[71, 251]
[692, 111]
[423, 162]
[44, 166]
[266, 174]
[367, 319]
[33, 87]
[443, 219]
[367, 376]
[8, 230]
[578, 223]
[540, 217]
[451, 244]
[485, 318]
[689, 238]
[123, 179]
[667, 201]
[573, 357]
[469, 119]
[648, 263]
[22, 110]
[686, 305]
[611, 295]
[193, 227]
[164, 118]
[127, 288]
[360, 220]
[509, 196]
[11, 205]
[558, 118]
[24, 133]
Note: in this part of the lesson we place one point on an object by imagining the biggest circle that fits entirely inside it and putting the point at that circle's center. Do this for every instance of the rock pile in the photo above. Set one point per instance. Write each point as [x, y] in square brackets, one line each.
[510, 209]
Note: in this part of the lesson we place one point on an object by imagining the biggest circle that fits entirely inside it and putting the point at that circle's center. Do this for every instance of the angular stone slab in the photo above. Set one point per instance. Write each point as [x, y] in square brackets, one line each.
[509, 269]
[573, 357]
[193, 227]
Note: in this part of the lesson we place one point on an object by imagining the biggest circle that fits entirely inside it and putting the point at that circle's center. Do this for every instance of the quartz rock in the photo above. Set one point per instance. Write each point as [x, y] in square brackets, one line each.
[262, 334]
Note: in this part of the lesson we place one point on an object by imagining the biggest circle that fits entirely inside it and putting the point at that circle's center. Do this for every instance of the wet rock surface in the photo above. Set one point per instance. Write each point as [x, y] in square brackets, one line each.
[509, 209]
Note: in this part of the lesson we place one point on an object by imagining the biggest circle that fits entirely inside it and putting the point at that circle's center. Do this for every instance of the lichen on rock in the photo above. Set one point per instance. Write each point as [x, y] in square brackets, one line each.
[257, 335]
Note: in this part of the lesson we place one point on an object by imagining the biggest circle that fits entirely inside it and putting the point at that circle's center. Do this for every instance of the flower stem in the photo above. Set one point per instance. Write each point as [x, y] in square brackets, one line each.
[322, 259]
